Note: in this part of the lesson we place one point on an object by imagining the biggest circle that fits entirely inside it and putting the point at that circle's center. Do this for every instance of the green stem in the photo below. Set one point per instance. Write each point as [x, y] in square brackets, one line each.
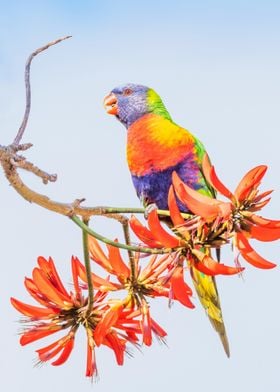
[128, 210]
[88, 268]
[130, 253]
[140, 249]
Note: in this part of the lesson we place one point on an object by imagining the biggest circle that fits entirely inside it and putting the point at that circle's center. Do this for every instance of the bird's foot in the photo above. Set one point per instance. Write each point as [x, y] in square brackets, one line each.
[150, 207]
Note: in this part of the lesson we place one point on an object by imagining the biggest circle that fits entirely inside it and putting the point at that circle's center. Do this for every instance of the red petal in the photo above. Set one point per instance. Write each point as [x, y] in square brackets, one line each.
[260, 221]
[259, 206]
[212, 178]
[251, 180]
[143, 233]
[249, 254]
[146, 325]
[97, 254]
[75, 275]
[33, 312]
[156, 328]
[33, 291]
[98, 282]
[175, 214]
[149, 268]
[210, 267]
[202, 268]
[118, 265]
[262, 195]
[117, 345]
[51, 273]
[46, 288]
[181, 291]
[68, 347]
[50, 351]
[155, 267]
[265, 233]
[91, 368]
[199, 204]
[103, 327]
[35, 334]
[159, 233]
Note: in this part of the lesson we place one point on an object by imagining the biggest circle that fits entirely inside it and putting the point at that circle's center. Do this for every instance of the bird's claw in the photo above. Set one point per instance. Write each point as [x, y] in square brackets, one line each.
[149, 209]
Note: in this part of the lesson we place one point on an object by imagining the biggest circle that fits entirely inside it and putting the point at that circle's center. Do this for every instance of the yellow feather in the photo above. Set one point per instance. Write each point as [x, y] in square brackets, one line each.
[208, 295]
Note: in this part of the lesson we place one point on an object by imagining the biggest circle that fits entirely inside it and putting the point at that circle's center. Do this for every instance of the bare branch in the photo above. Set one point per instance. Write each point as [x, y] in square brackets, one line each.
[22, 163]
[10, 164]
[28, 89]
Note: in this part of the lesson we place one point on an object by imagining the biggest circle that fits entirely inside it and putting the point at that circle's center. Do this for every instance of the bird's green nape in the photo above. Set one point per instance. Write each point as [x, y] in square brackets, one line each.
[156, 105]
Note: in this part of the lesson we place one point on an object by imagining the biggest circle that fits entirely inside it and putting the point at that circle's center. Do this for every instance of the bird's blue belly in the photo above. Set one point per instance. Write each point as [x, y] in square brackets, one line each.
[154, 187]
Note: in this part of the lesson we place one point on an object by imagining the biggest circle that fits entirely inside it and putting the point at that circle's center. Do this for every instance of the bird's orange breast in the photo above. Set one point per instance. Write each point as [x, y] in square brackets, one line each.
[155, 143]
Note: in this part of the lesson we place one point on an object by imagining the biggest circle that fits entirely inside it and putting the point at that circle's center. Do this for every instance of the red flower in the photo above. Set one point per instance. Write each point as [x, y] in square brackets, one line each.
[245, 201]
[63, 310]
[213, 222]
[204, 206]
[154, 235]
[192, 235]
[158, 278]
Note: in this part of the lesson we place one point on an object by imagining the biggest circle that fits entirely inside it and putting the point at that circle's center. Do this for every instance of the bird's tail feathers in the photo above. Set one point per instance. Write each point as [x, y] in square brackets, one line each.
[208, 295]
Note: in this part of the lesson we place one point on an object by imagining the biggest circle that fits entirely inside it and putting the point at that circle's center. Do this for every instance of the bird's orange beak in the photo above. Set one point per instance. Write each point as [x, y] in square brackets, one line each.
[111, 104]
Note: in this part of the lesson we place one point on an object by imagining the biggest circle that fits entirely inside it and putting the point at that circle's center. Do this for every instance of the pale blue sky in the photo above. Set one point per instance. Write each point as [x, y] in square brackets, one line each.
[216, 65]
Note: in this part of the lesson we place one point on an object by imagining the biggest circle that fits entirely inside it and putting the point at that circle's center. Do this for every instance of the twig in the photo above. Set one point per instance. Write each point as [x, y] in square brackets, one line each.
[28, 166]
[67, 209]
[28, 89]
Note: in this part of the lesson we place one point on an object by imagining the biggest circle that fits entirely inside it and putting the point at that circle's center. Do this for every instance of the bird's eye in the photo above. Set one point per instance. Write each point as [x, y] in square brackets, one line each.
[127, 91]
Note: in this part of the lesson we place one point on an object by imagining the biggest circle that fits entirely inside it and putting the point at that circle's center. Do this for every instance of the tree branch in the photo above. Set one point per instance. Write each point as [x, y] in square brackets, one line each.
[28, 88]
[68, 209]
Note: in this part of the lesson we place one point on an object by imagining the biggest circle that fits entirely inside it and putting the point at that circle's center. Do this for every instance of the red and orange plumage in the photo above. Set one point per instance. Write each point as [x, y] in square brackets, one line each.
[155, 148]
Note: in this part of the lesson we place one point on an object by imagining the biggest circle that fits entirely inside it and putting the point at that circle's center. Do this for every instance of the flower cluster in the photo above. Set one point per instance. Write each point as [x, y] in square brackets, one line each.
[213, 223]
[62, 310]
[186, 242]
[110, 322]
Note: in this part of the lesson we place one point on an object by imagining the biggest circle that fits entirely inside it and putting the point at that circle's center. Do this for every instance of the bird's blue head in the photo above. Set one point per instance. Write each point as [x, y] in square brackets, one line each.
[132, 101]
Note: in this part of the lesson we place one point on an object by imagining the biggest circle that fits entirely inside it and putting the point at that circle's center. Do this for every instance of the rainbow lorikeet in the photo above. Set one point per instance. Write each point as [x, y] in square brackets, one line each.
[157, 146]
